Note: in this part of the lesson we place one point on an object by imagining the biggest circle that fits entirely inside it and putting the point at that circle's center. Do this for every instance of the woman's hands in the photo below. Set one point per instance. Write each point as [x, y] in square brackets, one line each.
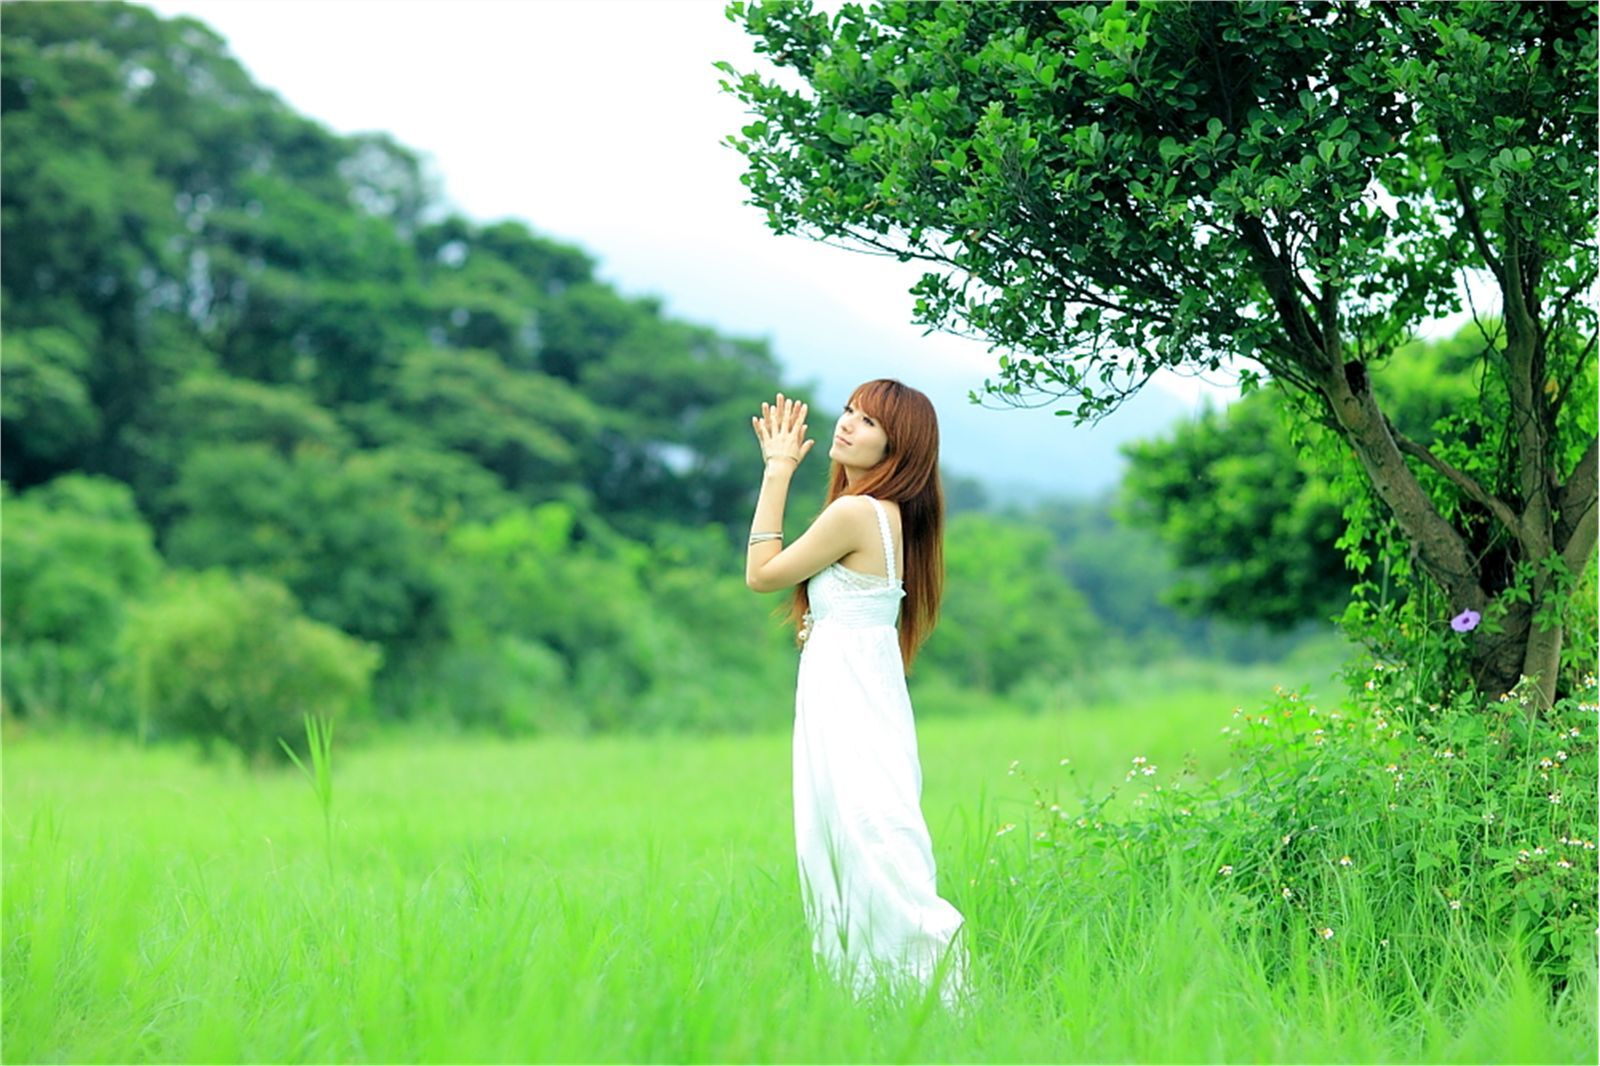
[781, 430]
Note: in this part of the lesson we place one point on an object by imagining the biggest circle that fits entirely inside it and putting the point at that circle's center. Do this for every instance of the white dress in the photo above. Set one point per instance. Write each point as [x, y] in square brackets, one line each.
[865, 858]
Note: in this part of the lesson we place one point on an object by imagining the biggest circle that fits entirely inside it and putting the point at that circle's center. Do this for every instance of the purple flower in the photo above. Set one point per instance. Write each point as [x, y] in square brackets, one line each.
[1465, 621]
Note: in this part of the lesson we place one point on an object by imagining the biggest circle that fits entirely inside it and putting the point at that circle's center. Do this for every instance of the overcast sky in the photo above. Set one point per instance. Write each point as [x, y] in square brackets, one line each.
[599, 122]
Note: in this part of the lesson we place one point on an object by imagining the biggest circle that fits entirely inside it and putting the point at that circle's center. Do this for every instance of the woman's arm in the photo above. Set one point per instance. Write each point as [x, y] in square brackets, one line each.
[769, 566]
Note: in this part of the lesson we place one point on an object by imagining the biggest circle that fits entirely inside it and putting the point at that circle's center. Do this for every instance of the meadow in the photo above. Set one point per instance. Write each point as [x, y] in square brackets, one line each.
[628, 898]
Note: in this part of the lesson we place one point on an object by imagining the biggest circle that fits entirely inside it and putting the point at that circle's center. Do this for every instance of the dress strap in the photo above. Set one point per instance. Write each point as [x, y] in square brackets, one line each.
[888, 538]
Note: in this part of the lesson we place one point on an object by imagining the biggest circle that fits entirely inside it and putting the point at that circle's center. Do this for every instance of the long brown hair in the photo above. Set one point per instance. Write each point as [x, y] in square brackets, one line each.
[909, 475]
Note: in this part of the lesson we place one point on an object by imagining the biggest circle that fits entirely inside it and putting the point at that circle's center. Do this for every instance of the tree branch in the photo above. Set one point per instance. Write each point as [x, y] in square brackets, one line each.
[1469, 214]
[1496, 506]
[1579, 491]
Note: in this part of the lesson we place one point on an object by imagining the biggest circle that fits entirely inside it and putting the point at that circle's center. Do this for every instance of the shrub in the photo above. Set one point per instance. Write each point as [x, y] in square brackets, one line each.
[1391, 834]
[76, 552]
[233, 661]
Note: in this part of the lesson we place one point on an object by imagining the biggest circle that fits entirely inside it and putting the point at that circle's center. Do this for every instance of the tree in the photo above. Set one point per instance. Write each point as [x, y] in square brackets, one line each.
[1106, 190]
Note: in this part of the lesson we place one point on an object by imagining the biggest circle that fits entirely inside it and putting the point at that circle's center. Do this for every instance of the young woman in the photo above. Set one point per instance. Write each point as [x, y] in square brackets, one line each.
[866, 861]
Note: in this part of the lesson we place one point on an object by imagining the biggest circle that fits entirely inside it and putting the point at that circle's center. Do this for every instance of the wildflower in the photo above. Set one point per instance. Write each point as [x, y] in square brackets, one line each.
[1539, 850]
[1384, 942]
[1394, 806]
[1555, 797]
[1004, 829]
[1546, 763]
[1564, 864]
[1382, 724]
[1287, 892]
[1082, 822]
[1455, 904]
[1392, 768]
[1466, 621]
[1488, 817]
[1012, 769]
[1286, 837]
[1139, 760]
[1347, 861]
[1148, 770]
[1447, 754]
[1561, 756]
[1573, 731]
[1522, 855]
[1184, 811]
[1226, 871]
[1325, 933]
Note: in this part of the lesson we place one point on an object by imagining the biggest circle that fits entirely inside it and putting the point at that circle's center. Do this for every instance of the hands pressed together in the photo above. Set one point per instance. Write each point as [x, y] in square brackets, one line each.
[781, 430]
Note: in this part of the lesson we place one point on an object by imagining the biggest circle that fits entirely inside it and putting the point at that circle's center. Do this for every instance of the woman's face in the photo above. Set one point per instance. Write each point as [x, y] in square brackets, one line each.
[858, 440]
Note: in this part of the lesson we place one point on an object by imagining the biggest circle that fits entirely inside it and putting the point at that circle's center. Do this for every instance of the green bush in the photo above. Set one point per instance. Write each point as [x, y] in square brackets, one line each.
[76, 552]
[232, 661]
[1392, 834]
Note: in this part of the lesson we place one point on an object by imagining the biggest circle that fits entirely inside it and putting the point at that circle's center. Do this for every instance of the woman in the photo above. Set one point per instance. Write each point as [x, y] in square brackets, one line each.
[866, 862]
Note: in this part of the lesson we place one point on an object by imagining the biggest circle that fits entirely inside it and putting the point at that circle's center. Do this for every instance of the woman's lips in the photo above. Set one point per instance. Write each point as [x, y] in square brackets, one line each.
[841, 440]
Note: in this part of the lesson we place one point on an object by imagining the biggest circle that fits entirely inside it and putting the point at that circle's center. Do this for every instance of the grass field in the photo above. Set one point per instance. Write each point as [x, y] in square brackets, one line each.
[624, 899]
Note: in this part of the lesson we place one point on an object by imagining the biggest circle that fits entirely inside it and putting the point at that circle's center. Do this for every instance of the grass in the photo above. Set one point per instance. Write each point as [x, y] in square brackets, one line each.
[633, 899]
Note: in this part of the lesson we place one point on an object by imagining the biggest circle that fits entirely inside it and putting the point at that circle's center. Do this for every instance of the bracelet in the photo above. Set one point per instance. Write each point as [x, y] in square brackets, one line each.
[757, 538]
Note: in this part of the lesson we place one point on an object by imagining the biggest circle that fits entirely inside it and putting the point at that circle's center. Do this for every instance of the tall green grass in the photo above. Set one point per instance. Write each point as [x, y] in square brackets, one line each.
[635, 899]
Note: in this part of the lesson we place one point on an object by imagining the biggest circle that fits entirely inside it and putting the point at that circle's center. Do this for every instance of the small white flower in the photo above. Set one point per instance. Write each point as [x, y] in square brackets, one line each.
[1325, 933]
[1004, 829]
[1555, 797]
[1564, 864]
[1347, 861]
[1287, 892]
[1561, 756]
[1286, 837]
[1139, 760]
[1455, 904]
[1226, 871]
[1546, 763]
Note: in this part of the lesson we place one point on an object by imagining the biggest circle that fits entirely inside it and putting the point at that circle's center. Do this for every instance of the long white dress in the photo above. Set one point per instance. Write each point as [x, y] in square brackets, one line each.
[866, 861]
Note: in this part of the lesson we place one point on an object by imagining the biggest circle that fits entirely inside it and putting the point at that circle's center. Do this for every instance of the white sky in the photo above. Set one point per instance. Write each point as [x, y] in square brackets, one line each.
[599, 122]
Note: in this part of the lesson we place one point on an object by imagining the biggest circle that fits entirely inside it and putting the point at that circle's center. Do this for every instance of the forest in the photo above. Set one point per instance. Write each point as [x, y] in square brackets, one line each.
[283, 435]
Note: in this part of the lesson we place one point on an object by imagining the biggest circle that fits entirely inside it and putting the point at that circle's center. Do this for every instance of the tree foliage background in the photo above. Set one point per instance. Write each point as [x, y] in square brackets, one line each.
[236, 342]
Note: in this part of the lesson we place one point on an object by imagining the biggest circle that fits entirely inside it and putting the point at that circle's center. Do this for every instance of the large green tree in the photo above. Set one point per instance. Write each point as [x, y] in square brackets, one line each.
[1104, 190]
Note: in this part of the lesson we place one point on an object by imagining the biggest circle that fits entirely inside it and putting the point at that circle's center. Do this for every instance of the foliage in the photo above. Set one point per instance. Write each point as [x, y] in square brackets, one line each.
[232, 661]
[1253, 527]
[1381, 834]
[1006, 615]
[331, 530]
[76, 553]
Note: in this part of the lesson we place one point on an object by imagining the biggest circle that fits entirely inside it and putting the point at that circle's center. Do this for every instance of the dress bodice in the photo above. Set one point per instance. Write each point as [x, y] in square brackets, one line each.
[850, 598]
